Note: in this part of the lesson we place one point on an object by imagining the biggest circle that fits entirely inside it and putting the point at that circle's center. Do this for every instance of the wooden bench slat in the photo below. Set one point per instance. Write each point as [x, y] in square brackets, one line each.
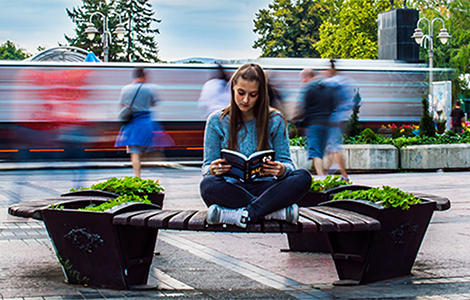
[251, 227]
[142, 219]
[442, 203]
[358, 221]
[160, 221]
[33, 208]
[125, 218]
[271, 226]
[307, 225]
[198, 221]
[289, 227]
[180, 221]
[326, 223]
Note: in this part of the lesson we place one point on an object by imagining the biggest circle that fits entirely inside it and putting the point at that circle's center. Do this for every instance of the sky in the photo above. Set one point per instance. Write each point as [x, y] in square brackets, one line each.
[220, 29]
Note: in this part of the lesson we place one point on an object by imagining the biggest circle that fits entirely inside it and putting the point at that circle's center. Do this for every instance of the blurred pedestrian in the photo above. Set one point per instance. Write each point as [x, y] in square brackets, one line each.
[343, 99]
[140, 135]
[318, 105]
[458, 117]
[275, 97]
[215, 93]
[248, 125]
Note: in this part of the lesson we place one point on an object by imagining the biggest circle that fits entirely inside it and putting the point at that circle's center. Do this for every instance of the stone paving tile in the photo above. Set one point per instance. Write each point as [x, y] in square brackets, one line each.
[73, 297]
[98, 295]
[110, 294]
[23, 225]
[8, 233]
[31, 242]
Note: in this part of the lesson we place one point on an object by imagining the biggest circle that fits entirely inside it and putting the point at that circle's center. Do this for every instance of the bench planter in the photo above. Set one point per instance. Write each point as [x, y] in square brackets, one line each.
[355, 258]
[316, 241]
[95, 252]
[365, 257]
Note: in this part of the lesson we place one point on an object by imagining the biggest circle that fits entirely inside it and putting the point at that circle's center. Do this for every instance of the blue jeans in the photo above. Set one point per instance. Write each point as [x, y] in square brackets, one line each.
[317, 136]
[259, 197]
[335, 139]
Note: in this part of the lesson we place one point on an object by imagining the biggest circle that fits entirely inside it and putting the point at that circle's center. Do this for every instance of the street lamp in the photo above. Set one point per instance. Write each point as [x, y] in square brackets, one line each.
[420, 39]
[91, 31]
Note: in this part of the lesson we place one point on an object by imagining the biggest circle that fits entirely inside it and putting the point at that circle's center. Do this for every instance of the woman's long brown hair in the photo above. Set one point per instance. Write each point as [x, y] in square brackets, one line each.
[249, 72]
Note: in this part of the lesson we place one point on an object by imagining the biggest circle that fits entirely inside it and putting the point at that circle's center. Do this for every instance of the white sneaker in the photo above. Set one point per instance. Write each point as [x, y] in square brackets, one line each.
[289, 214]
[217, 214]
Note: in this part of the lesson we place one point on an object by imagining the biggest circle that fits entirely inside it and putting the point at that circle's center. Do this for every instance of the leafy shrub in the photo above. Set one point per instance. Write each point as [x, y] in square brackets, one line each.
[116, 201]
[292, 130]
[329, 182]
[427, 123]
[368, 136]
[385, 195]
[401, 142]
[127, 186]
[300, 141]
[353, 126]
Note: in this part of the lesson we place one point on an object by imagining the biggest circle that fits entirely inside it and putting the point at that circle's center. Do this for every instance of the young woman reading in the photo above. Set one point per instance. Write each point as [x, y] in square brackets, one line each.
[248, 125]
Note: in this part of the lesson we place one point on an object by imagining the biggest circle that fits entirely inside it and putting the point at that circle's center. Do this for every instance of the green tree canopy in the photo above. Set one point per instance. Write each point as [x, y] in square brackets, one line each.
[10, 51]
[139, 43]
[349, 29]
[288, 28]
[140, 38]
[456, 52]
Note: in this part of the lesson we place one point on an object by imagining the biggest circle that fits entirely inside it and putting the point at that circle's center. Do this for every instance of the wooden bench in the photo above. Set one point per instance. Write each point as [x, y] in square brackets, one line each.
[312, 219]
[348, 235]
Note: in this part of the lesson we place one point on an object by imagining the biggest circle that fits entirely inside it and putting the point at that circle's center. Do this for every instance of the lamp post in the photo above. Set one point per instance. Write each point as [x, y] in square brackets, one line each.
[420, 39]
[106, 38]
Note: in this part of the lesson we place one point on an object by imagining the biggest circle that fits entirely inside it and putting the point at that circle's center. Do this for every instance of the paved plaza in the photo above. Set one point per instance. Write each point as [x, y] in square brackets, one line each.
[205, 265]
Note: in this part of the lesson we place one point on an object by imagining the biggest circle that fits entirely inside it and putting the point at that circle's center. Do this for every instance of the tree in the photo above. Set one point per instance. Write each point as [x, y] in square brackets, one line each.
[288, 28]
[140, 38]
[10, 51]
[349, 29]
[456, 52]
[426, 126]
[81, 16]
[353, 125]
[139, 43]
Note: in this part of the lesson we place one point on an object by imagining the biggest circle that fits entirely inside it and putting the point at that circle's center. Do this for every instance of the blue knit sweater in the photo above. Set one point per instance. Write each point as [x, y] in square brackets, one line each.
[217, 134]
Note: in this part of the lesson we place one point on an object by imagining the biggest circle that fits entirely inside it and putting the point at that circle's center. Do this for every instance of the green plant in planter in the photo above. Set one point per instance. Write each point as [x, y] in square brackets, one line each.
[300, 141]
[368, 136]
[329, 182]
[126, 186]
[385, 195]
[117, 201]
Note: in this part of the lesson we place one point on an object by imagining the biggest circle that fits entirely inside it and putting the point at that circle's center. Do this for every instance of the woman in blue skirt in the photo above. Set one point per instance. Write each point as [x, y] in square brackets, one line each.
[140, 135]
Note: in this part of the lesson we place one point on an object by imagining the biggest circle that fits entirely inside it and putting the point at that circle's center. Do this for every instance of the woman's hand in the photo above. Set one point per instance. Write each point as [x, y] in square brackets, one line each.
[219, 167]
[274, 168]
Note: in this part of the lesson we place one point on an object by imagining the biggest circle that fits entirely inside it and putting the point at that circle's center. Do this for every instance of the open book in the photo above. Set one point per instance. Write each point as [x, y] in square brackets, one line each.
[247, 168]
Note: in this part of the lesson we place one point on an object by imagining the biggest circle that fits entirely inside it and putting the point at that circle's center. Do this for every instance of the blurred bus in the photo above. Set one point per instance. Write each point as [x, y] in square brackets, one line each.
[69, 110]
